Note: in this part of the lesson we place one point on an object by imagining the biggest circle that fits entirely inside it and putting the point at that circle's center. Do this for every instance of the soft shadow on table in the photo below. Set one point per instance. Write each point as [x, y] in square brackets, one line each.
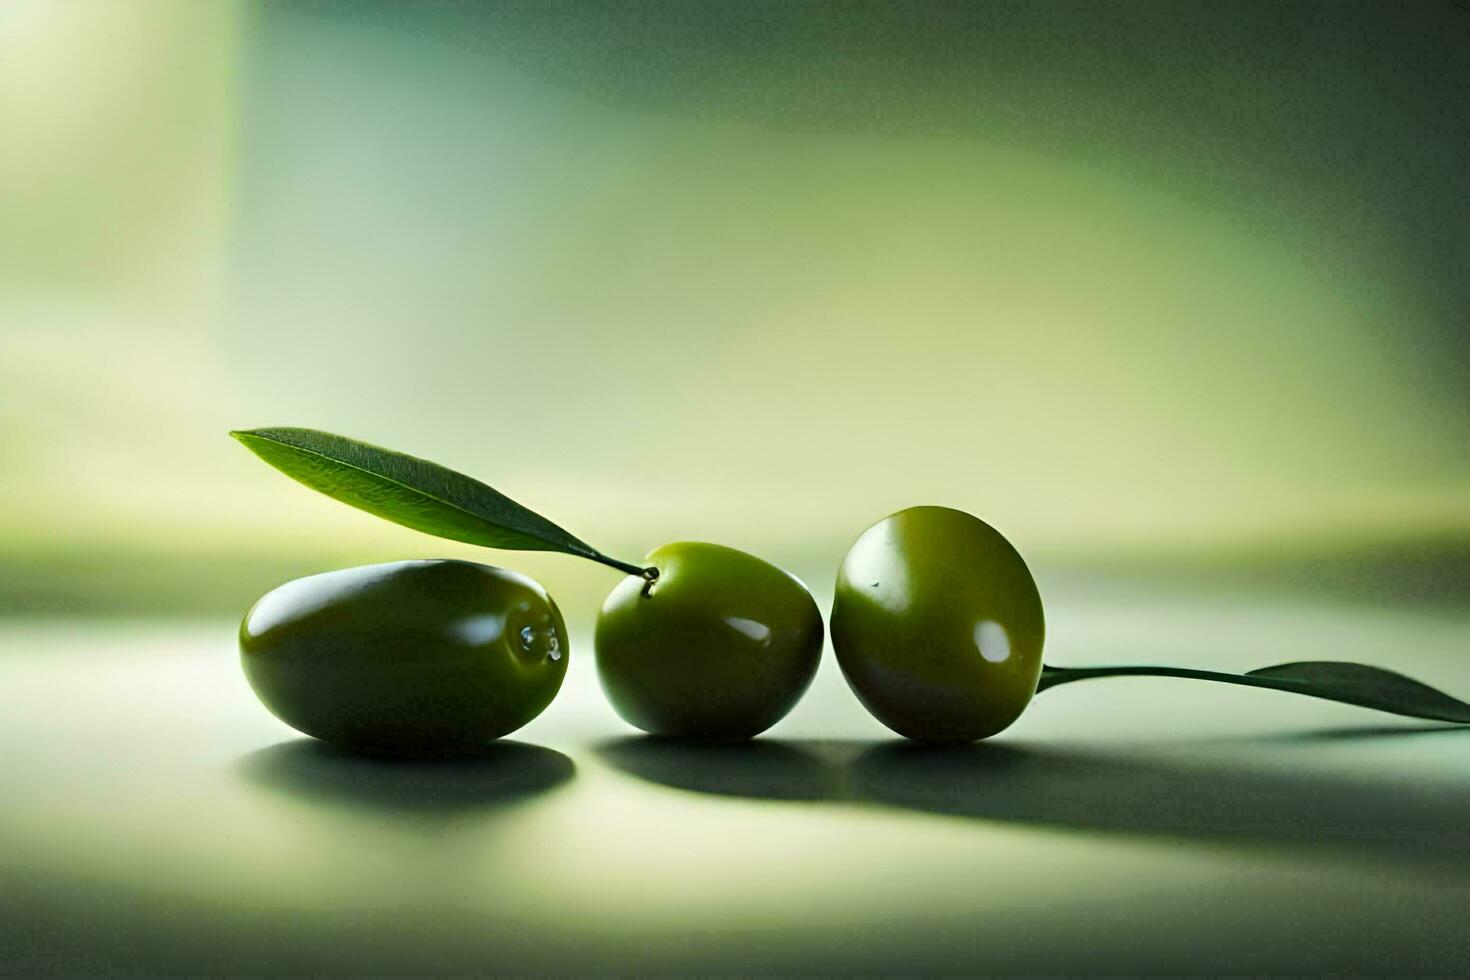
[763, 769]
[1160, 796]
[1118, 791]
[314, 772]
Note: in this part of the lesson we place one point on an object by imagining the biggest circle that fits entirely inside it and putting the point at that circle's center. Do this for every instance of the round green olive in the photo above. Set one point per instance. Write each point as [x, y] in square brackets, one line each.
[937, 625]
[411, 657]
[720, 646]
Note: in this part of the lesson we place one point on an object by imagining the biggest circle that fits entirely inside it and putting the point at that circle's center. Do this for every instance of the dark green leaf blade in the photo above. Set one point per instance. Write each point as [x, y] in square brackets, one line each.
[1356, 684]
[1368, 687]
[409, 491]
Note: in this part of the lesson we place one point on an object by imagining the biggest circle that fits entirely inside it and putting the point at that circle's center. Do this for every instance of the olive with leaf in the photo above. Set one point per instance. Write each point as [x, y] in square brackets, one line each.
[700, 641]
[938, 627]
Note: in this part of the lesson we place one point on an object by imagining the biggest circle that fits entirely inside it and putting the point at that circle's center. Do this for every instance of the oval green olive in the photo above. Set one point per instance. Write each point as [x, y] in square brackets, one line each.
[937, 625]
[720, 646]
[408, 657]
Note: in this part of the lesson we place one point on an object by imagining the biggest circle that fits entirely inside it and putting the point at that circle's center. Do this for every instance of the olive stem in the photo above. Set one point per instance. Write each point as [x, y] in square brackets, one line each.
[1052, 676]
[623, 566]
[650, 576]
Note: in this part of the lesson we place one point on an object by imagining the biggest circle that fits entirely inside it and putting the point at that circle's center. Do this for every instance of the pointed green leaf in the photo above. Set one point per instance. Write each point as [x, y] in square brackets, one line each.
[1368, 687]
[1358, 684]
[409, 491]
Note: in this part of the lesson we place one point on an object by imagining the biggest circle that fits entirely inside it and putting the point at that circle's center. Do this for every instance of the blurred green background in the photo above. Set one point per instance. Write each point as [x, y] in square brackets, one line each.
[1173, 294]
[1168, 293]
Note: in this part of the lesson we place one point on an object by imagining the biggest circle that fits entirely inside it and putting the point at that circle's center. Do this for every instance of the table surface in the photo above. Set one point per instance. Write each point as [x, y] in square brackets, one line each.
[156, 819]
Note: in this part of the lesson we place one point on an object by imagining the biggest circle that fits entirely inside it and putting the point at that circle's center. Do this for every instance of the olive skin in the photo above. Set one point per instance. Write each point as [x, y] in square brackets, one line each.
[720, 647]
[937, 625]
[406, 658]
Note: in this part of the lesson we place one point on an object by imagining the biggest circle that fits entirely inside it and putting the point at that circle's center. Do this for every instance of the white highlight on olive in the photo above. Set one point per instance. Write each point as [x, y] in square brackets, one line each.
[992, 640]
[868, 562]
[479, 630]
[759, 632]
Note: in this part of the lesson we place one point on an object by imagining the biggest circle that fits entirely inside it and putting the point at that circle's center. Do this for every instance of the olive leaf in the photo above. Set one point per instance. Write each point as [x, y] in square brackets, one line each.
[1368, 687]
[1348, 683]
[413, 492]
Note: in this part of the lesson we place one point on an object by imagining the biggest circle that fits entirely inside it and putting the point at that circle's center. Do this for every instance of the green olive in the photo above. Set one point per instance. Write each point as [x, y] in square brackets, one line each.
[720, 646]
[412, 657]
[937, 625]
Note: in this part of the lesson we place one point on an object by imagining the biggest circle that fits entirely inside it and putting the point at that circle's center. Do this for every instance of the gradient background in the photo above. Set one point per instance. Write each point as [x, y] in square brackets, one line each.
[1142, 280]
[1175, 295]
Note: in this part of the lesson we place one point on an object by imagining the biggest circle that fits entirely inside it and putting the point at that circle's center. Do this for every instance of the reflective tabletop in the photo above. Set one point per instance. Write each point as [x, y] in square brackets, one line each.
[156, 819]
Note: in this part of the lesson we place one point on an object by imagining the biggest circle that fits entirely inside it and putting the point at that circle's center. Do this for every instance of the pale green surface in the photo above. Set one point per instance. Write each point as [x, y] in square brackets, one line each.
[155, 818]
